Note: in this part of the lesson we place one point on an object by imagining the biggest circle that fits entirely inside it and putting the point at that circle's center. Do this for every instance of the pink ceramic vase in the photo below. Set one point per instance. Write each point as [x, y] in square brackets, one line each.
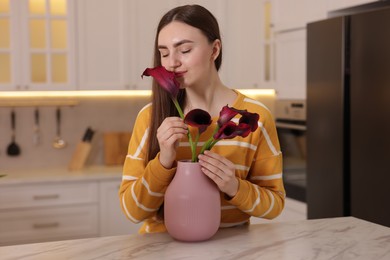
[192, 204]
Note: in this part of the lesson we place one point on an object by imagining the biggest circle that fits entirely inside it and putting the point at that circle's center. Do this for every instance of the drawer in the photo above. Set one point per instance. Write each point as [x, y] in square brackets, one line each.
[33, 195]
[48, 224]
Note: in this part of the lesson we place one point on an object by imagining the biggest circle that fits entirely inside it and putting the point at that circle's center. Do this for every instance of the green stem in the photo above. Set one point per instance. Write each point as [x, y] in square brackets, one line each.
[193, 148]
[178, 108]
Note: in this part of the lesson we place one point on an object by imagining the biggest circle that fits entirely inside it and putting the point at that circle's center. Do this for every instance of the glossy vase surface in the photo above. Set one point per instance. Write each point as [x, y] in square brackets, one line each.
[192, 204]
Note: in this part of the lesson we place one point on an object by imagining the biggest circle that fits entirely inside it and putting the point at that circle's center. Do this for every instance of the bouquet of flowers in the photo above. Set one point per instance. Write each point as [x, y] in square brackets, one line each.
[226, 129]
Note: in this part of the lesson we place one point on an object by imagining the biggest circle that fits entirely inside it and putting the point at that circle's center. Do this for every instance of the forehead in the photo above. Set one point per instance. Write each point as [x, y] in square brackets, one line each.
[177, 31]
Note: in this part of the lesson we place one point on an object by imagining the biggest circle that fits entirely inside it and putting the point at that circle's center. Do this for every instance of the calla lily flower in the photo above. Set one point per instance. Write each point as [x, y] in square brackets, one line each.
[250, 119]
[227, 131]
[198, 118]
[166, 79]
[227, 113]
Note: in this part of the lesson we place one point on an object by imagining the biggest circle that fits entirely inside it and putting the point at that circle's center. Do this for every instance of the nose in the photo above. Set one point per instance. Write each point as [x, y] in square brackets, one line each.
[173, 61]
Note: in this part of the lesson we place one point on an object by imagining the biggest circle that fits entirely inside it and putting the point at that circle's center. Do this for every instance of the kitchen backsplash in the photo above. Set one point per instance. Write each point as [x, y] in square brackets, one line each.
[101, 115]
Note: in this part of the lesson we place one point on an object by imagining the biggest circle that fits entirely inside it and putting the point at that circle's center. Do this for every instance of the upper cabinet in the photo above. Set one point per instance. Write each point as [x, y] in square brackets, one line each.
[290, 15]
[116, 41]
[37, 45]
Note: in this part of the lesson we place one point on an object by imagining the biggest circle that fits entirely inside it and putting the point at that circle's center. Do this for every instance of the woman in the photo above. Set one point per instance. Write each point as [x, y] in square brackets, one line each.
[248, 171]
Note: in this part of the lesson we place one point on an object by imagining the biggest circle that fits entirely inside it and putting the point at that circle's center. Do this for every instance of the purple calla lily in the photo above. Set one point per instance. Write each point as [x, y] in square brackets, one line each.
[250, 119]
[198, 118]
[166, 79]
[227, 131]
[227, 113]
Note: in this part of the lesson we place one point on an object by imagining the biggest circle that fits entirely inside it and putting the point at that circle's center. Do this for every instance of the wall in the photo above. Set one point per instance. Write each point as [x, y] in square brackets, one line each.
[101, 115]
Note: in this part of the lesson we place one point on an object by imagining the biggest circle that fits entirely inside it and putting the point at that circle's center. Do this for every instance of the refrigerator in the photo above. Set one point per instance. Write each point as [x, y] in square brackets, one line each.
[348, 115]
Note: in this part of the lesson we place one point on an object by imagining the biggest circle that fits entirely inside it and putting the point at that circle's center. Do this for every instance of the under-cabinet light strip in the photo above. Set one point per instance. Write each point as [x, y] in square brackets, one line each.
[104, 93]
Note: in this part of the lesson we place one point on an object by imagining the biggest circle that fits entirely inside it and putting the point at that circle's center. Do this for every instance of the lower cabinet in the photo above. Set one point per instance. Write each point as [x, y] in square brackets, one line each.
[50, 211]
[112, 220]
[48, 224]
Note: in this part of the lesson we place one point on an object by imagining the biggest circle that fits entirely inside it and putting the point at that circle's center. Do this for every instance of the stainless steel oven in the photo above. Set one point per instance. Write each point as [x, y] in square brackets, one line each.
[290, 117]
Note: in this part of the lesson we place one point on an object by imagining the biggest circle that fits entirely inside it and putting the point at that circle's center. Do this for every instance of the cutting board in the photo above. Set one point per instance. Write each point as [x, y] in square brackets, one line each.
[115, 147]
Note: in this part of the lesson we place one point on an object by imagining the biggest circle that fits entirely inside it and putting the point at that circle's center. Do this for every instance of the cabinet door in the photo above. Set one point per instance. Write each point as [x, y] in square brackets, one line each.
[296, 14]
[36, 45]
[143, 21]
[32, 225]
[243, 44]
[101, 27]
[341, 4]
[47, 44]
[291, 64]
[8, 45]
[112, 220]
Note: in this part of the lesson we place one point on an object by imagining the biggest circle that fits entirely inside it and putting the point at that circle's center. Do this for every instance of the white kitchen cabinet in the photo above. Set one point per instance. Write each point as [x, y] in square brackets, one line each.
[290, 15]
[112, 220]
[116, 39]
[27, 225]
[243, 53]
[142, 17]
[101, 44]
[291, 64]
[341, 4]
[37, 45]
[48, 211]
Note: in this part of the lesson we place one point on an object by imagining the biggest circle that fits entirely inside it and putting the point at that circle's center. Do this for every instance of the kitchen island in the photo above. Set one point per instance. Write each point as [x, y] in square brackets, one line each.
[333, 238]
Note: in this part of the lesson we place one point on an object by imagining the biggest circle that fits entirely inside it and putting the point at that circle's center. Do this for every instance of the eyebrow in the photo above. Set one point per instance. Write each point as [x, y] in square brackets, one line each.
[175, 45]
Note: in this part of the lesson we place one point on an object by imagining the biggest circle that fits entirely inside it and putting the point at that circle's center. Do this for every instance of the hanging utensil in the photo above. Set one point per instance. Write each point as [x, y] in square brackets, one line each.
[36, 136]
[13, 148]
[58, 142]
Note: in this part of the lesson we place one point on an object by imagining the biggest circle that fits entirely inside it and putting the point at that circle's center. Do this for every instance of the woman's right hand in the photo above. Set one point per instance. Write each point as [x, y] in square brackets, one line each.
[171, 130]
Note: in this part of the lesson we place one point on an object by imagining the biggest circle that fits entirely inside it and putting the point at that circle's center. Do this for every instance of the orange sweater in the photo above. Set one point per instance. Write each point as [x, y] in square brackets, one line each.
[258, 161]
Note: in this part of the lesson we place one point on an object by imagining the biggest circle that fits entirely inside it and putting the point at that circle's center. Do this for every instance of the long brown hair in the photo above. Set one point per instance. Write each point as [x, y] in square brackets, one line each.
[162, 105]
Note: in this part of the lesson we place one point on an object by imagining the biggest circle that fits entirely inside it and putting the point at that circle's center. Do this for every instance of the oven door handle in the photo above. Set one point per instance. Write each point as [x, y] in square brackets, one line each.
[290, 126]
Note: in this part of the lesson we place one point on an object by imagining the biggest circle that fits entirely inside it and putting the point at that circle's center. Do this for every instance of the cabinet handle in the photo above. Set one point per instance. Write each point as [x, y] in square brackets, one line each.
[46, 225]
[46, 197]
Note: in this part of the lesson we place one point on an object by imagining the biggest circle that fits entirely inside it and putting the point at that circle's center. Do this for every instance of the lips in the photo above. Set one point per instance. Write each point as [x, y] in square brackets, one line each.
[179, 74]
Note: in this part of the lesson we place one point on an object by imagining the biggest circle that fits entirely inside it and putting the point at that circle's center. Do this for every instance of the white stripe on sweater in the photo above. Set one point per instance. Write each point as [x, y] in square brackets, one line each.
[249, 100]
[152, 193]
[141, 145]
[270, 206]
[268, 139]
[139, 204]
[129, 178]
[127, 212]
[267, 177]
[257, 202]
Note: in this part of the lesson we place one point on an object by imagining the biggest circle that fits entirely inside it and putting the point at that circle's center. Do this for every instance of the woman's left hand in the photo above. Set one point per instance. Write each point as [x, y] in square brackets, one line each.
[221, 171]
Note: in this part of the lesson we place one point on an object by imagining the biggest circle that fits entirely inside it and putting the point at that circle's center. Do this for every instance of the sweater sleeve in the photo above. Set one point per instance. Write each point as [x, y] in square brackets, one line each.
[262, 193]
[143, 185]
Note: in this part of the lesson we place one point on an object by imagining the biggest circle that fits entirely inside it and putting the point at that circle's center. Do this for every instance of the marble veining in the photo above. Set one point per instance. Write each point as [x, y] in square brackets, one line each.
[333, 238]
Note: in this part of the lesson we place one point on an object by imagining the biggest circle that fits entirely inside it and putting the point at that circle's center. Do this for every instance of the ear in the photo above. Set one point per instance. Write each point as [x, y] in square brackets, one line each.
[217, 45]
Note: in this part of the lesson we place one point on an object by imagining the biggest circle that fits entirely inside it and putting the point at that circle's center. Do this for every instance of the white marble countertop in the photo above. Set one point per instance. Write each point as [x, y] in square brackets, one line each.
[59, 175]
[333, 238]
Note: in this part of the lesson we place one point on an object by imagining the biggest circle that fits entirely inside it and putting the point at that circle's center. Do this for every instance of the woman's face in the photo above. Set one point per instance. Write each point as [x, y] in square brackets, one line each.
[186, 51]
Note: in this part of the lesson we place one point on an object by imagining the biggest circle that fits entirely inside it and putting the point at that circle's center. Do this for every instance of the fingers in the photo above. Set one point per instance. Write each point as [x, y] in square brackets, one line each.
[168, 135]
[221, 171]
[171, 130]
